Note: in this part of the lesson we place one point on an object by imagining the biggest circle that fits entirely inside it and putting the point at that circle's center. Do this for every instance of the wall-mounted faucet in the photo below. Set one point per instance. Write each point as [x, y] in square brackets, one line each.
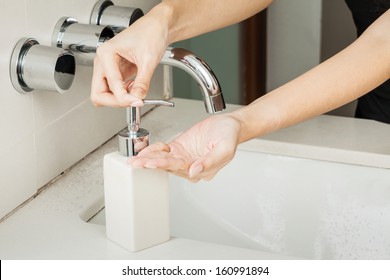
[34, 66]
[81, 39]
[117, 17]
[198, 69]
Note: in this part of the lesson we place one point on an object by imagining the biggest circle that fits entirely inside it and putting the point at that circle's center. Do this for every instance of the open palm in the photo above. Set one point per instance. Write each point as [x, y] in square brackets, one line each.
[198, 153]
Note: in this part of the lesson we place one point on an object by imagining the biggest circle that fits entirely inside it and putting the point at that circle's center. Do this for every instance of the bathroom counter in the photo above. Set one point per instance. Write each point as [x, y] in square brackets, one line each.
[53, 224]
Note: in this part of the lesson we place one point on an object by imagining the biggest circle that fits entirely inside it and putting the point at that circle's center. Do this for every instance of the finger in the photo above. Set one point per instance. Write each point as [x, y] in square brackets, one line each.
[146, 153]
[185, 176]
[136, 102]
[141, 83]
[207, 166]
[118, 88]
[105, 99]
[168, 163]
[110, 70]
[161, 160]
[99, 84]
[100, 91]
[156, 147]
[128, 83]
[141, 160]
[195, 170]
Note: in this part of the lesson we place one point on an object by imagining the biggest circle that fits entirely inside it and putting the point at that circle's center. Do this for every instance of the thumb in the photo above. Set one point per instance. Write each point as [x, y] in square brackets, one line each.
[141, 84]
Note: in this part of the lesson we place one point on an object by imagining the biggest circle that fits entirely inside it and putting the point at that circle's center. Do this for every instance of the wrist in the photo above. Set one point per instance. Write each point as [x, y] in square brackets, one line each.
[164, 13]
[242, 125]
[257, 119]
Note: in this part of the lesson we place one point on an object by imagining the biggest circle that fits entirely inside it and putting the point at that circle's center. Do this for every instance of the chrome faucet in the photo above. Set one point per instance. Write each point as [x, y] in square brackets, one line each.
[198, 69]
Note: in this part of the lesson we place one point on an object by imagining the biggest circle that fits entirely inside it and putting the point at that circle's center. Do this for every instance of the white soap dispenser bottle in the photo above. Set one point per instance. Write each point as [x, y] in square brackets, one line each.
[136, 200]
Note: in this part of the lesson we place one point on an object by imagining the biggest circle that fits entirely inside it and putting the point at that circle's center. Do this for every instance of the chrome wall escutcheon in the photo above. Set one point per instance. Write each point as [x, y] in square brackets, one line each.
[118, 17]
[81, 39]
[37, 67]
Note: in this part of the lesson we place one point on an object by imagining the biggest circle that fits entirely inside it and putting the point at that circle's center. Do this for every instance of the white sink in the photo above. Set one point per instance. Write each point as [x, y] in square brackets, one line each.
[299, 207]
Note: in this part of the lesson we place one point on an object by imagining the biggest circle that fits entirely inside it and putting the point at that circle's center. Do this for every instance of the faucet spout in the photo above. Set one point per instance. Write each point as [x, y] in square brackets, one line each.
[198, 69]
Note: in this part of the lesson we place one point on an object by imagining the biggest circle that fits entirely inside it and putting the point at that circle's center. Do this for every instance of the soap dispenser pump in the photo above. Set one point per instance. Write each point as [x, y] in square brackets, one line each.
[133, 138]
[136, 200]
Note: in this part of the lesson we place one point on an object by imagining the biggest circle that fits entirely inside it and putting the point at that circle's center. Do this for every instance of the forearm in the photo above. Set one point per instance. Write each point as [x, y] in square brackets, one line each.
[188, 18]
[356, 70]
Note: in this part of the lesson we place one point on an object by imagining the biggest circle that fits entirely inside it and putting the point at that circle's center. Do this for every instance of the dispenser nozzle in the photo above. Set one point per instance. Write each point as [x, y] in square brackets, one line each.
[133, 138]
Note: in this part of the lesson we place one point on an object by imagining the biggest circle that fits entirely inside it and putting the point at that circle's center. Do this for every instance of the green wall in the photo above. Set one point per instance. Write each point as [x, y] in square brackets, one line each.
[220, 49]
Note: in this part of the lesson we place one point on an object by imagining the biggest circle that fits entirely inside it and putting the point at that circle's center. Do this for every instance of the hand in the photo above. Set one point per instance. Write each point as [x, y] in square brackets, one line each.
[136, 50]
[198, 153]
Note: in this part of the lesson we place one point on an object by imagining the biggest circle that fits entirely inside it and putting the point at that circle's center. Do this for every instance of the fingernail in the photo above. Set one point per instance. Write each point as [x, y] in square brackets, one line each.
[196, 170]
[137, 104]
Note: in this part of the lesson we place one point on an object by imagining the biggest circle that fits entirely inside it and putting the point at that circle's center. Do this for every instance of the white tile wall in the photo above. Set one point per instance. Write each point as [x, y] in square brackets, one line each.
[44, 133]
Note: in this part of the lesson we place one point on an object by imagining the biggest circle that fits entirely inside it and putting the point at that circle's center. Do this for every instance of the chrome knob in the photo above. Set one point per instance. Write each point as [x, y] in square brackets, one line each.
[118, 18]
[34, 66]
[81, 39]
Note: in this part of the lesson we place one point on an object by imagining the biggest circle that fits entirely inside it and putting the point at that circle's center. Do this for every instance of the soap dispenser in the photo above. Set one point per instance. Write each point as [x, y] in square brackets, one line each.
[136, 200]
